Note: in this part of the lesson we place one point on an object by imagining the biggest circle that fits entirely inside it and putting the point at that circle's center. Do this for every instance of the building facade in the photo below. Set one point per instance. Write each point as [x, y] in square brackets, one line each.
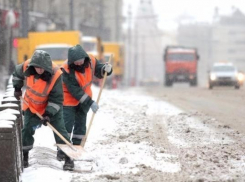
[228, 39]
[93, 18]
[221, 40]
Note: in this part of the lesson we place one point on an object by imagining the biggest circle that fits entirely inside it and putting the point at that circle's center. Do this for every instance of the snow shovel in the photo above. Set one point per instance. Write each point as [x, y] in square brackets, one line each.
[98, 99]
[69, 149]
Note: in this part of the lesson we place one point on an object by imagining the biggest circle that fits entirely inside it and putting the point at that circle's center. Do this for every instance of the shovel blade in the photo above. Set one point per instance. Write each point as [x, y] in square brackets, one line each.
[76, 154]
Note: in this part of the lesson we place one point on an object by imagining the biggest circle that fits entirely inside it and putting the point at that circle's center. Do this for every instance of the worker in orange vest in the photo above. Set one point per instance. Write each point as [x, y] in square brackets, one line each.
[44, 94]
[78, 73]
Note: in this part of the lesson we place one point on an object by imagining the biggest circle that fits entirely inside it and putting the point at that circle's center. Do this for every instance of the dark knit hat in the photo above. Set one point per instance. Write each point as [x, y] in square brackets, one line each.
[75, 53]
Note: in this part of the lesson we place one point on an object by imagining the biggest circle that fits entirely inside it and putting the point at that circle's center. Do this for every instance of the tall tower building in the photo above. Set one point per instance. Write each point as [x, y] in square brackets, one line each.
[146, 65]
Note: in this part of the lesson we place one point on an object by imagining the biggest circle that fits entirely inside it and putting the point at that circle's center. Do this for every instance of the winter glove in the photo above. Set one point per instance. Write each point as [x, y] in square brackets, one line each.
[107, 68]
[45, 120]
[17, 94]
[94, 107]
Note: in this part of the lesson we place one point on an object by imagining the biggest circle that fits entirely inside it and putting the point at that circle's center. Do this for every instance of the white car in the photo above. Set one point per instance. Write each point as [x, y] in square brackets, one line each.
[225, 74]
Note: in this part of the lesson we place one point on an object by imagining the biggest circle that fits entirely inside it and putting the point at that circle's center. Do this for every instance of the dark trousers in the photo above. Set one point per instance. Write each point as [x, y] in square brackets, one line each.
[75, 122]
[32, 122]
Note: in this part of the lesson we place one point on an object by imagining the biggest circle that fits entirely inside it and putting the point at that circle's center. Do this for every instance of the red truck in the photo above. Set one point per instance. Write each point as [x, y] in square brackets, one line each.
[180, 65]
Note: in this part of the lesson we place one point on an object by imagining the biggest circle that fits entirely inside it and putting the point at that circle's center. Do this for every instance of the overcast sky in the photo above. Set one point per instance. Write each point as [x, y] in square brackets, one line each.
[198, 10]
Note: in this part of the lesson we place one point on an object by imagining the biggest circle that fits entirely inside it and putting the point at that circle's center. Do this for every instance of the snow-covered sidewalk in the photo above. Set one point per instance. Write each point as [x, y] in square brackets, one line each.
[114, 146]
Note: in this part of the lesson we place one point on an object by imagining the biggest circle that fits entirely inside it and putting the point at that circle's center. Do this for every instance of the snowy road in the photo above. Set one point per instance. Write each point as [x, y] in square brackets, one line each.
[138, 137]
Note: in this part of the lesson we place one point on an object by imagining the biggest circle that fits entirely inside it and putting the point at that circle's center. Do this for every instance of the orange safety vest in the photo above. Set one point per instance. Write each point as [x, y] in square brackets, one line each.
[84, 80]
[37, 92]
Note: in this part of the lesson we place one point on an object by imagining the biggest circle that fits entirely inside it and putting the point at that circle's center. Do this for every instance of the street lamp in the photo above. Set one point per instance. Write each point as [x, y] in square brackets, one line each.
[10, 21]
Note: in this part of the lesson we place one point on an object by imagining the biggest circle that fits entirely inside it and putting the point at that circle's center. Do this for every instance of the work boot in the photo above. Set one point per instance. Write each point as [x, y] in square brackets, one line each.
[69, 164]
[60, 155]
[25, 159]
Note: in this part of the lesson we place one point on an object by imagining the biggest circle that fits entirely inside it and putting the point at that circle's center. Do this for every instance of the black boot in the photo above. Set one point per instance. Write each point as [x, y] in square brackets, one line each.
[69, 164]
[25, 159]
[60, 155]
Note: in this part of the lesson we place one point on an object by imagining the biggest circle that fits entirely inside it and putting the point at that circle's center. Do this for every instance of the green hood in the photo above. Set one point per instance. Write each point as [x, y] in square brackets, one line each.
[40, 59]
[75, 53]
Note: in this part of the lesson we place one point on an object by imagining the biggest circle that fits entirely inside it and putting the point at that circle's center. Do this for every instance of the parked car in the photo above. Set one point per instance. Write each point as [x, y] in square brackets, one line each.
[223, 74]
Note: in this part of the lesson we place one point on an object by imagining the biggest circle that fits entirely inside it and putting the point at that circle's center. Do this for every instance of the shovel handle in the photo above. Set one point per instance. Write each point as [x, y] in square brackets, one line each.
[54, 130]
[61, 137]
[97, 101]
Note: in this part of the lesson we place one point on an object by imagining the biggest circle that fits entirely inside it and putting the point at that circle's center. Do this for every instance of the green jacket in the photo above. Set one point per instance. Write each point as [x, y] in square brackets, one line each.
[43, 60]
[71, 83]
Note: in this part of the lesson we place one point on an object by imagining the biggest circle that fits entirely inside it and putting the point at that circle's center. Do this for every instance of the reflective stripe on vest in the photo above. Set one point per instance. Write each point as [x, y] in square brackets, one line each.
[37, 91]
[83, 79]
